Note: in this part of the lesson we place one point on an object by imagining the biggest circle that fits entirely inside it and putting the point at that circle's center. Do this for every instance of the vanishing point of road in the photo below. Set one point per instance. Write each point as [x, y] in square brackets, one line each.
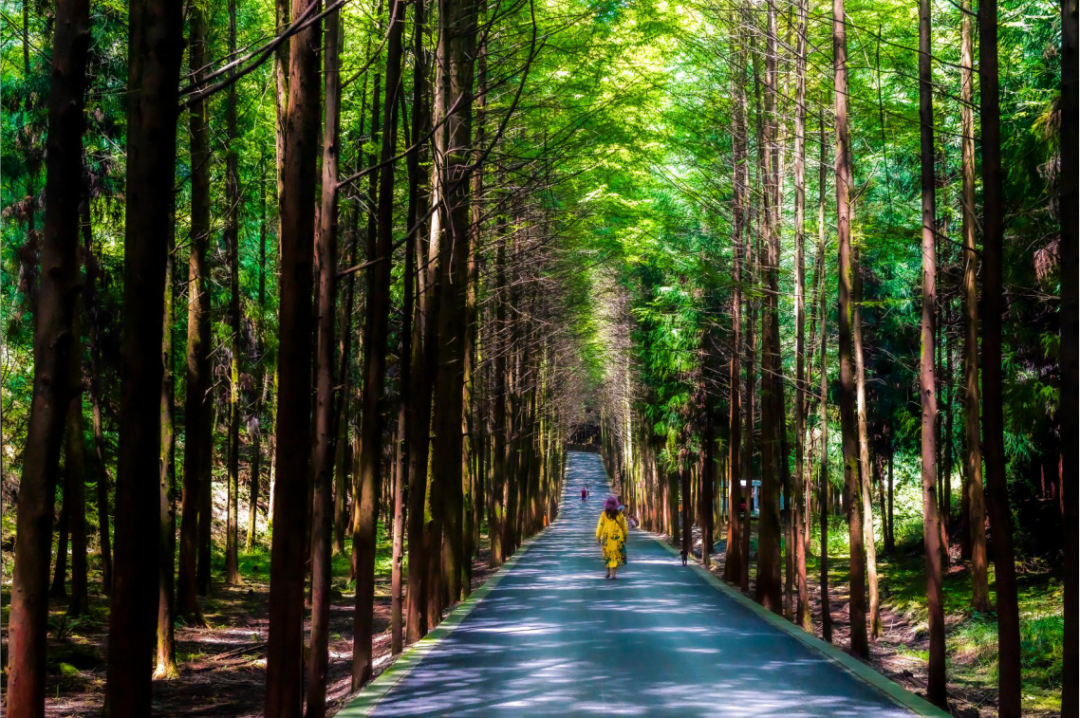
[553, 637]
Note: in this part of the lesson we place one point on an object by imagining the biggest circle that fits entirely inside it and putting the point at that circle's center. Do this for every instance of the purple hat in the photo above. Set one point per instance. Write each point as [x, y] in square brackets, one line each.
[612, 504]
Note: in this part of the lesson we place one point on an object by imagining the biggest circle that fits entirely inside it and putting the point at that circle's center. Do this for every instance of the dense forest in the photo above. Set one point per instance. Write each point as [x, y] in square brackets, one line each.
[303, 303]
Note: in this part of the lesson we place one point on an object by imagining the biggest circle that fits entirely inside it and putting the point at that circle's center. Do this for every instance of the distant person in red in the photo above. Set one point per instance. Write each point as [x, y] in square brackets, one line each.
[584, 493]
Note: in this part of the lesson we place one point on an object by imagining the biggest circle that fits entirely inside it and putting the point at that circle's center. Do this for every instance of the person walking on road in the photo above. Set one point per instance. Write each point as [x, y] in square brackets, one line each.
[611, 534]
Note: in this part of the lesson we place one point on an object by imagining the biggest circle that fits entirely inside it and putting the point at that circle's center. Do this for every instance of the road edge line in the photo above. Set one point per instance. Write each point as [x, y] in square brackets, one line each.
[372, 694]
[894, 691]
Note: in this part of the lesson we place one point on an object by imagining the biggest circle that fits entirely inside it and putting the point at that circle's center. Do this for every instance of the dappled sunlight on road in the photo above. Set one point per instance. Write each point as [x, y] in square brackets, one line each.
[555, 637]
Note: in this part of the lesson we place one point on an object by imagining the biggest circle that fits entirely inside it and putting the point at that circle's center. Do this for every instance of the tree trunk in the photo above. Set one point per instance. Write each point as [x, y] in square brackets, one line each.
[58, 588]
[768, 589]
[685, 505]
[470, 467]
[154, 53]
[1070, 706]
[848, 422]
[197, 402]
[499, 434]
[405, 386]
[997, 489]
[231, 237]
[419, 415]
[206, 498]
[255, 474]
[375, 339]
[284, 663]
[457, 50]
[325, 431]
[165, 656]
[802, 615]
[91, 303]
[55, 341]
[864, 459]
[891, 545]
[823, 390]
[936, 687]
[734, 558]
[75, 478]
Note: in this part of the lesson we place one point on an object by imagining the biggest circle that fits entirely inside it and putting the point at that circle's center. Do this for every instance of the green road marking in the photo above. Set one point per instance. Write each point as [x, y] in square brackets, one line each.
[370, 695]
[895, 692]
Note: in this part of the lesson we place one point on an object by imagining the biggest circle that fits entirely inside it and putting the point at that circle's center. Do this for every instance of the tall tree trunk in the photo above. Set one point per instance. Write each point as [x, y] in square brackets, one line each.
[499, 435]
[848, 422]
[457, 50]
[75, 475]
[325, 431]
[197, 401]
[470, 466]
[155, 48]
[232, 248]
[284, 663]
[892, 538]
[685, 505]
[734, 559]
[1070, 705]
[92, 309]
[405, 407]
[375, 340]
[55, 341]
[936, 687]
[973, 479]
[419, 415]
[255, 475]
[752, 330]
[58, 588]
[864, 457]
[706, 473]
[206, 498]
[997, 489]
[824, 502]
[165, 656]
[802, 615]
[768, 588]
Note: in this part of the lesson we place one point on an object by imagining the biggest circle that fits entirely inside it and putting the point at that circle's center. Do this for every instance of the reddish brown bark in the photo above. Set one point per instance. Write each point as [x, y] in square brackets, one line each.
[231, 237]
[802, 611]
[155, 48]
[1070, 293]
[376, 332]
[54, 343]
[197, 402]
[284, 664]
[936, 687]
[864, 460]
[848, 423]
[165, 655]
[974, 501]
[325, 430]
[997, 490]
[419, 416]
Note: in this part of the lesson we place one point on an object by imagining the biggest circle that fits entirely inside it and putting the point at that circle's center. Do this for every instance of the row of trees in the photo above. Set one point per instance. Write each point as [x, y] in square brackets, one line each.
[516, 207]
[720, 397]
[431, 396]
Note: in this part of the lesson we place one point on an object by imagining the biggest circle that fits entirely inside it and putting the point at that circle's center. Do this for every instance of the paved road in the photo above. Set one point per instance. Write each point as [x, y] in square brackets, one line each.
[553, 637]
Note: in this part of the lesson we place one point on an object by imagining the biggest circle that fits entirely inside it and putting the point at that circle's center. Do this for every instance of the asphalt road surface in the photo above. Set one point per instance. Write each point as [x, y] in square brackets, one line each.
[554, 637]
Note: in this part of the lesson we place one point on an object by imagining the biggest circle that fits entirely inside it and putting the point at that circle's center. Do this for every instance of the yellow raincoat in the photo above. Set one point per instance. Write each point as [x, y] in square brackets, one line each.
[611, 533]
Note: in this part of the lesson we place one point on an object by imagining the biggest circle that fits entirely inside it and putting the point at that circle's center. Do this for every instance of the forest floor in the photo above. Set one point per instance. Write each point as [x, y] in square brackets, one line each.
[901, 653]
[221, 667]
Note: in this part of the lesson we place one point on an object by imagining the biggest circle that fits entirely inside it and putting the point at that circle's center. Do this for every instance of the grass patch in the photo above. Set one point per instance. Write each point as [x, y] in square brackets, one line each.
[971, 638]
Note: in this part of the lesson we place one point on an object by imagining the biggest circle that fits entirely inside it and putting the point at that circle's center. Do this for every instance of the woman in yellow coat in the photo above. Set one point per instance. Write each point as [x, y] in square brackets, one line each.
[611, 533]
